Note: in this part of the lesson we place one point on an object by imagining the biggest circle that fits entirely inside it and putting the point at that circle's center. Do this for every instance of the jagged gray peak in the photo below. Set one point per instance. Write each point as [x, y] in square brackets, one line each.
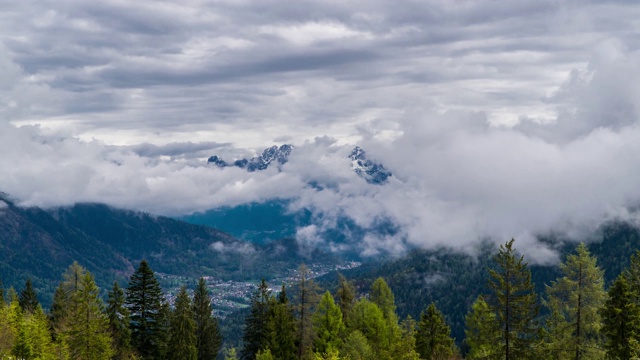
[372, 172]
[261, 162]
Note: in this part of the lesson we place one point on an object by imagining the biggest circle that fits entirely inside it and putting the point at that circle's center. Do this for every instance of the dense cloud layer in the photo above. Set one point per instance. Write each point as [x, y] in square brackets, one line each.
[497, 121]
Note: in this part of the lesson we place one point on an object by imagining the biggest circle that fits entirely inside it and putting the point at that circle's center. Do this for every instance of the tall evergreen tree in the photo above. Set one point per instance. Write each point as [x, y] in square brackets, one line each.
[282, 328]
[118, 316]
[182, 334]
[256, 337]
[367, 318]
[7, 331]
[207, 331]
[345, 296]
[356, 347]
[88, 335]
[328, 325]
[482, 332]
[577, 298]
[63, 307]
[405, 349]
[37, 327]
[433, 339]
[144, 301]
[307, 295]
[28, 298]
[514, 302]
[621, 321]
[382, 296]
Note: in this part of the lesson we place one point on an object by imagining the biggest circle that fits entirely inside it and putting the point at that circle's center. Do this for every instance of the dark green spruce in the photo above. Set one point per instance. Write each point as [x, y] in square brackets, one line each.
[256, 337]
[433, 338]
[514, 302]
[28, 298]
[147, 318]
[118, 316]
[182, 332]
[208, 339]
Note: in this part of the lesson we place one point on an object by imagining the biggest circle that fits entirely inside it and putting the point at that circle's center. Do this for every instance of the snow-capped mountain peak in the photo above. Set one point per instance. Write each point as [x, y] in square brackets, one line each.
[372, 172]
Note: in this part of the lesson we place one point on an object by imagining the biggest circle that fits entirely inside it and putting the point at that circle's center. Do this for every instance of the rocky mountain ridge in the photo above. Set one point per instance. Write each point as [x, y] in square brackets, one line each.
[372, 172]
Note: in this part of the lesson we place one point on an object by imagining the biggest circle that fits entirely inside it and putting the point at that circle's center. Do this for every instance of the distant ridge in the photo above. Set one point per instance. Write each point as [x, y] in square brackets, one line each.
[260, 162]
[370, 171]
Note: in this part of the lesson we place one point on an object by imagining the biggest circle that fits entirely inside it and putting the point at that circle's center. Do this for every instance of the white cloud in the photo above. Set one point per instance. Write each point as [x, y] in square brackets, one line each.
[499, 121]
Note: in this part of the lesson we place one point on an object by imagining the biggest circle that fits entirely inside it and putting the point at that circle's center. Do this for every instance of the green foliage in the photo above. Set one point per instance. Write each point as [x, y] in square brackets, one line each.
[328, 325]
[356, 347]
[37, 326]
[148, 320]
[88, 334]
[29, 298]
[207, 332]
[307, 296]
[514, 302]
[346, 296]
[256, 337]
[405, 348]
[574, 302]
[621, 321]
[265, 355]
[433, 339]
[483, 332]
[367, 318]
[118, 316]
[230, 354]
[182, 333]
[282, 328]
[382, 296]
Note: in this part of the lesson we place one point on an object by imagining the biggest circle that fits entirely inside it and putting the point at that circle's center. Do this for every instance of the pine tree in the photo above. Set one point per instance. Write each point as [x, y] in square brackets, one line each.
[307, 294]
[367, 318]
[7, 331]
[482, 332]
[382, 296]
[513, 300]
[62, 307]
[118, 316]
[346, 296]
[207, 332]
[88, 334]
[328, 325]
[356, 347]
[230, 354]
[405, 349]
[433, 339]
[22, 347]
[281, 328]
[577, 298]
[182, 334]
[255, 336]
[28, 298]
[147, 319]
[265, 355]
[37, 326]
[621, 321]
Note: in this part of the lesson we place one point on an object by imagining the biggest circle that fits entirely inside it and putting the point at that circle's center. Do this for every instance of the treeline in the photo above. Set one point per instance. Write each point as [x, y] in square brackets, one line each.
[135, 323]
[575, 318]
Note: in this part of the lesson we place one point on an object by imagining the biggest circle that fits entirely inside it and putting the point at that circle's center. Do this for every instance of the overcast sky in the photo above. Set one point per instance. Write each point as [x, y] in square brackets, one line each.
[497, 118]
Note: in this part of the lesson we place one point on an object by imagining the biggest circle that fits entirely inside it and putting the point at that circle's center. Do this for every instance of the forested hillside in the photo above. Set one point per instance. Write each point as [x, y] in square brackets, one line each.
[38, 244]
[453, 281]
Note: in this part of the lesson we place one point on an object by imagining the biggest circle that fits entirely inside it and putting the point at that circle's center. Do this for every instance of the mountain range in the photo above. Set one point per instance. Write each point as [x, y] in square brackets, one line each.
[372, 172]
[40, 244]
